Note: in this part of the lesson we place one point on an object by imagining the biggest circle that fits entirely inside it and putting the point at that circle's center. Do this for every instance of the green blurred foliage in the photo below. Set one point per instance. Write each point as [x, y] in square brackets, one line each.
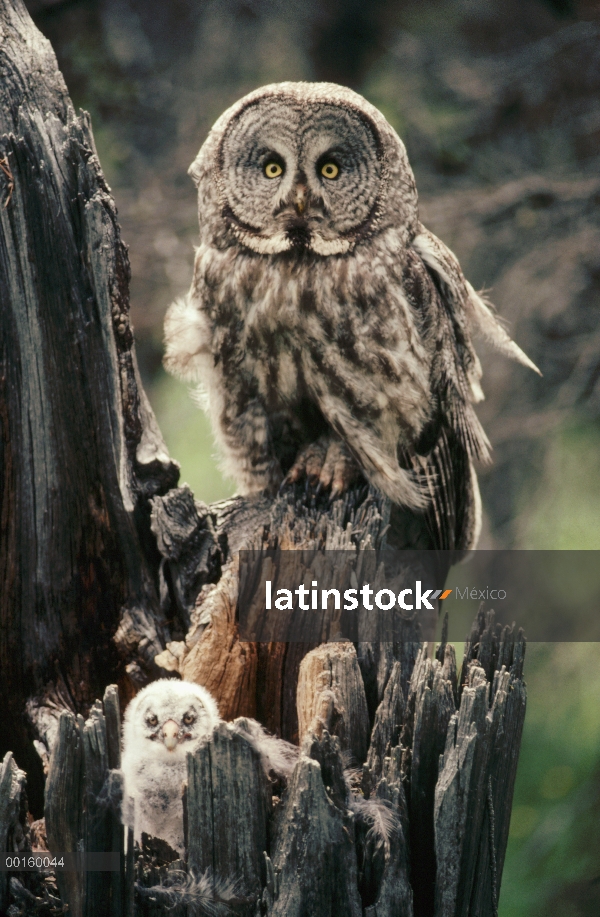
[189, 438]
[565, 512]
[553, 858]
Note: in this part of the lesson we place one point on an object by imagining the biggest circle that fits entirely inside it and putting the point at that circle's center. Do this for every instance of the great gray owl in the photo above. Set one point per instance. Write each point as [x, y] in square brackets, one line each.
[166, 720]
[329, 329]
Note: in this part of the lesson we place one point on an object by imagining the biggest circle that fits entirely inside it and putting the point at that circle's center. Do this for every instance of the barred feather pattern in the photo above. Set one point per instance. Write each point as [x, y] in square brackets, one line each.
[206, 894]
[326, 309]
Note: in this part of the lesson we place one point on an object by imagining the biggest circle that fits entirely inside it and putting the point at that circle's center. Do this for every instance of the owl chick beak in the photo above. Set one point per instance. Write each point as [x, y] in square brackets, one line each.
[170, 735]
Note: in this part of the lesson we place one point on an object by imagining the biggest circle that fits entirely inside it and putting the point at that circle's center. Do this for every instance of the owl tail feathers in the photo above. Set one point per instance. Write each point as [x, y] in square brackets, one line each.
[401, 486]
[491, 329]
[185, 340]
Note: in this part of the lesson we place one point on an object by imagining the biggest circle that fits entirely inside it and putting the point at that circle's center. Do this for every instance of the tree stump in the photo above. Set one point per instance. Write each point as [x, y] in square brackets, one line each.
[330, 688]
[12, 787]
[228, 806]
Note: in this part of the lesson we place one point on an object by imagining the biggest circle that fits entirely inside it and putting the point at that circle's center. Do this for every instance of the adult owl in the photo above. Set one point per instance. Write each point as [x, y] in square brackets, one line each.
[330, 331]
[165, 721]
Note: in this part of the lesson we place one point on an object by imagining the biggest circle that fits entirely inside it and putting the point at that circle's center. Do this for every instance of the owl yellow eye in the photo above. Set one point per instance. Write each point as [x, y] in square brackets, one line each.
[273, 170]
[189, 719]
[330, 170]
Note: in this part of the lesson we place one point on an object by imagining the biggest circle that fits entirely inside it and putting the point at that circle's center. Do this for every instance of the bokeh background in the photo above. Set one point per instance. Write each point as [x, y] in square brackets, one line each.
[499, 106]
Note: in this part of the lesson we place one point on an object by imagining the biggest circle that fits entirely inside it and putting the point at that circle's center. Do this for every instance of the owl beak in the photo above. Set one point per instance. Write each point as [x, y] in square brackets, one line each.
[300, 196]
[170, 734]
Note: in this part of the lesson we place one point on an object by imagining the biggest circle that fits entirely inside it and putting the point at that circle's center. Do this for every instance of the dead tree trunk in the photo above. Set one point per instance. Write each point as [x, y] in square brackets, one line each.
[80, 452]
[103, 561]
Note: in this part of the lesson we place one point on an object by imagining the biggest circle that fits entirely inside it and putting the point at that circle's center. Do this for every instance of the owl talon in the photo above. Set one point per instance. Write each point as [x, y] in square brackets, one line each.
[293, 475]
[325, 465]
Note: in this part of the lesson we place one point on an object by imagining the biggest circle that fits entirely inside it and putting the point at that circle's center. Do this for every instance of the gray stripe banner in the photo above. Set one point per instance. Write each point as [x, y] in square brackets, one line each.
[367, 596]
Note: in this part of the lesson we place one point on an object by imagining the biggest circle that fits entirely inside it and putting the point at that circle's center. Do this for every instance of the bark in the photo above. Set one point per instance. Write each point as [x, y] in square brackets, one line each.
[64, 805]
[80, 451]
[330, 687]
[432, 697]
[314, 861]
[228, 806]
[83, 808]
[12, 786]
[477, 773]
[388, 722]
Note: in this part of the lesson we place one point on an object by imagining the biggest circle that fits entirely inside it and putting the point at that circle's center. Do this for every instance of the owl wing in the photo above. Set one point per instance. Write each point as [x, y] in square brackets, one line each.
[451, 520]
[468, 307]
[443, 458]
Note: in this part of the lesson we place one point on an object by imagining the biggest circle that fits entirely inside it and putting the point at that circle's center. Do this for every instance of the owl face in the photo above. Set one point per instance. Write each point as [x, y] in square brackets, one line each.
[300, 176]
[167, 719]
[302, 167]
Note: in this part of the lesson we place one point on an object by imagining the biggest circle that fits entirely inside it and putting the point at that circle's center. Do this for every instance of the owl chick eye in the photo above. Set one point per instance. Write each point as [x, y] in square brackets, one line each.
[188, 719]
[273, 169]
[152, 720]
[330, 170]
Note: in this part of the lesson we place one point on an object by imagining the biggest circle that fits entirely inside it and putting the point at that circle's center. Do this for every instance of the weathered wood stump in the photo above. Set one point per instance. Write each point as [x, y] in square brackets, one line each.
[331, 689]
[413, 833]
[228, 807]
[12, 786]
[83, 805]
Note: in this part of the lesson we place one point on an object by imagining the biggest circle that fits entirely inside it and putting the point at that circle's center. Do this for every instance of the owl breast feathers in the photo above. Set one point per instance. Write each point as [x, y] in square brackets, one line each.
[329, 330]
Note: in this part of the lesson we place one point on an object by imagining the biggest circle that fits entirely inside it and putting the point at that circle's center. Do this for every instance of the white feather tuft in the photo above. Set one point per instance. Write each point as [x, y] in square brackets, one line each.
[208, 894]
[186, 340]
[327, 247]
[277, 756]
[379, 815]
[491, 329]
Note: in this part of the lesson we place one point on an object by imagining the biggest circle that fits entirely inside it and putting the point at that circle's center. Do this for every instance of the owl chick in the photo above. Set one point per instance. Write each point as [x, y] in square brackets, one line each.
[329, 330]
[165, 721]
